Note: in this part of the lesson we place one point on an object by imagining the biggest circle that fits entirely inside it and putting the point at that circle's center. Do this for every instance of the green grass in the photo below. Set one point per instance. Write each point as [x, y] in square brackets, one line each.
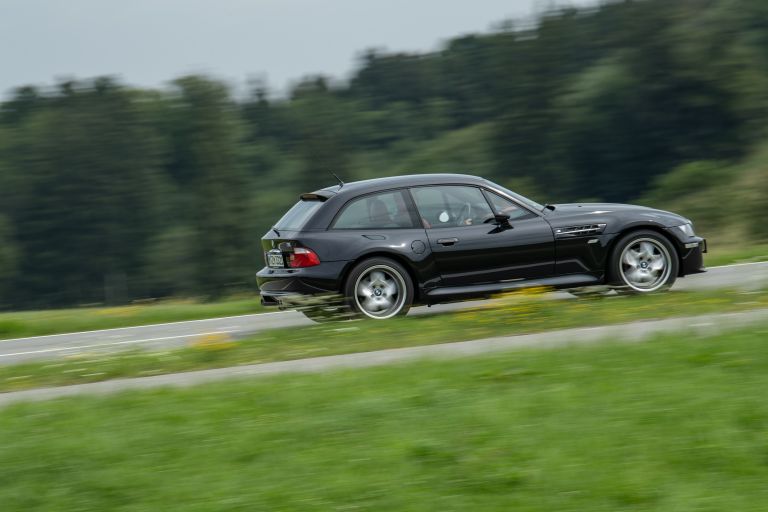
[57, 321]
[676, 424]
[728, 255]
[514, 314]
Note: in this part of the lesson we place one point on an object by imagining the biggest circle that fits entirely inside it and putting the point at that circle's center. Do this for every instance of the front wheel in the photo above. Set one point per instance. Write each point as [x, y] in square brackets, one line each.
[379, 288]
[643, 262]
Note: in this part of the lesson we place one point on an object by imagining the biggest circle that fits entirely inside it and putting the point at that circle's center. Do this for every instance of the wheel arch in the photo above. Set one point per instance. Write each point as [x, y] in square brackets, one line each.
[405, 262]
[644, 227]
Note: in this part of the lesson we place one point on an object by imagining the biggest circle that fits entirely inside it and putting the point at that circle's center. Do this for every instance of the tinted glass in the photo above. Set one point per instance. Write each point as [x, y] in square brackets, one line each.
[507, 207]
[533, 205]
[298, 215]
[451, 206]
[387, 210]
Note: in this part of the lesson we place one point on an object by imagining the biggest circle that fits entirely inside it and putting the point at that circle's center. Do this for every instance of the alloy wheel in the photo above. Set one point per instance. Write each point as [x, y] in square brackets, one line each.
[645, 264]
[380, 292]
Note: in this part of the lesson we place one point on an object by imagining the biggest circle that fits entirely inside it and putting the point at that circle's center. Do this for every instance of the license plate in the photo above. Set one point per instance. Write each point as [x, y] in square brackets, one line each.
[275, 259]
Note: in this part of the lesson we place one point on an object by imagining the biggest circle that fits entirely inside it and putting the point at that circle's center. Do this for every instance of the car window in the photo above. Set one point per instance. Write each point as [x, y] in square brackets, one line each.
[377, 211]
[298, 215]
[451, 206]
[527, 201]
[507, 207]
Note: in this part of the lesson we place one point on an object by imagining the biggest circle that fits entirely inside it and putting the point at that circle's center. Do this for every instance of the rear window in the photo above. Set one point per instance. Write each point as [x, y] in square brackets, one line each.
[298, 215]
[388, 210]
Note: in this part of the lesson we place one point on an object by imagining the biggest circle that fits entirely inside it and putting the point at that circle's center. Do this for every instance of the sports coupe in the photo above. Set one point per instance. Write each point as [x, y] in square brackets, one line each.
[387, 244]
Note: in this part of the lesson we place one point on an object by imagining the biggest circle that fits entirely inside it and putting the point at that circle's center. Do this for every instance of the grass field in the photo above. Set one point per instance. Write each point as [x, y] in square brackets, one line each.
[56, 321]
[675, 424]
[727, 255]
[514, 314]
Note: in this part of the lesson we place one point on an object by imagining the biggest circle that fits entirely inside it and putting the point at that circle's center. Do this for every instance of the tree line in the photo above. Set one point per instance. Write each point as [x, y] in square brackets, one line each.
[111, 193]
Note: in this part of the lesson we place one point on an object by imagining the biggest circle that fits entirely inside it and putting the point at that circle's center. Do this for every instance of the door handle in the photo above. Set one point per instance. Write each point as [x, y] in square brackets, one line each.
[447, 241]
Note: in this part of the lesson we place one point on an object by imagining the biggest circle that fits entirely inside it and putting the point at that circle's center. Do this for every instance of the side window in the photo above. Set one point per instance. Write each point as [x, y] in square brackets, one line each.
[507, 207]
[377, 211]
[451, 206]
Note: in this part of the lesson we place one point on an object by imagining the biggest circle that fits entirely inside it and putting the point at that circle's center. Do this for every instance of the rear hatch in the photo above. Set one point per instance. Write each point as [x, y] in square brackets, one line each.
[280, 244]
[276, 249]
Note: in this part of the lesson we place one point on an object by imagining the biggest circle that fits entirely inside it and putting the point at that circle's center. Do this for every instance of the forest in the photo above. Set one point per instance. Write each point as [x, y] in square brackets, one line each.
[111, 193]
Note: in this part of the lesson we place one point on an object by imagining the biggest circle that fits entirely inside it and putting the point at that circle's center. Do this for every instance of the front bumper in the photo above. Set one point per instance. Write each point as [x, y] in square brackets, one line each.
[692, 256]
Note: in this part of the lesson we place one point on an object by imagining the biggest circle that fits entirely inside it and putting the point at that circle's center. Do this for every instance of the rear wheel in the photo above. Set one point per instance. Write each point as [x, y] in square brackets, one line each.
[379, 288]
[643, 262]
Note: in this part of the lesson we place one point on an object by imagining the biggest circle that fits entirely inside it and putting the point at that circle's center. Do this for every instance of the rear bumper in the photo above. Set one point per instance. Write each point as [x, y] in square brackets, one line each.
[276, 285]
[692, 257]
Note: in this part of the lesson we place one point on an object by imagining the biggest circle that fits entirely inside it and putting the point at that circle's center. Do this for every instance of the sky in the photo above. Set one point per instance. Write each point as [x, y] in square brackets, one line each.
[150, 42]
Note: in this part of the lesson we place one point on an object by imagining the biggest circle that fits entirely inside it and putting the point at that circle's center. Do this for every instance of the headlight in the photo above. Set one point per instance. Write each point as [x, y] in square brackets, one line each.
[687, 230]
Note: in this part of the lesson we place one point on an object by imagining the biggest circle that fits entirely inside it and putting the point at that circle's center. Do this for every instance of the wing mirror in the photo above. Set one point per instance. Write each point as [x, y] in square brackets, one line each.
[499, 219]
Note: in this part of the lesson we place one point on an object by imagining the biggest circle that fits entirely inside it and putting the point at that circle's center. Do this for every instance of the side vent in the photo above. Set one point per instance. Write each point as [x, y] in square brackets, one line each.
[575, 231]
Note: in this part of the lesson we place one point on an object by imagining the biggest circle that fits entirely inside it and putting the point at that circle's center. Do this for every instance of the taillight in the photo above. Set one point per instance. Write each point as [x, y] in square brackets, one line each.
[302, 257]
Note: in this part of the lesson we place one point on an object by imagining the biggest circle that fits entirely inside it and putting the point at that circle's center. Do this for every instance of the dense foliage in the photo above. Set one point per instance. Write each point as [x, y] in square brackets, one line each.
[110, 193]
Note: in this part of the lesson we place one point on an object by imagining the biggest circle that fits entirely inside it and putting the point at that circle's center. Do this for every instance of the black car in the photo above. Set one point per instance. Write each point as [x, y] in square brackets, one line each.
[388, 243]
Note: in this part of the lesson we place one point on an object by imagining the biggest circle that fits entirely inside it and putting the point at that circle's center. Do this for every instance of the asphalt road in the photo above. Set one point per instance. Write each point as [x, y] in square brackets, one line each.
[704, 325]
[163, 336]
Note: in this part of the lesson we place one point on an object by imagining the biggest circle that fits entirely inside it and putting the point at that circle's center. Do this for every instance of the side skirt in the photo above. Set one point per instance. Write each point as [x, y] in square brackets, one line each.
[448, 293]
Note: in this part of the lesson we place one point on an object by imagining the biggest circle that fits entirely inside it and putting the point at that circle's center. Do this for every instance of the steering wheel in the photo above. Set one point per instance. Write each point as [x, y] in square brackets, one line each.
[464, 219]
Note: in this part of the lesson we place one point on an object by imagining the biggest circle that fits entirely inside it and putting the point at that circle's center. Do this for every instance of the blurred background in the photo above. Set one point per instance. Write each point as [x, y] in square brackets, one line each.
[158, 179]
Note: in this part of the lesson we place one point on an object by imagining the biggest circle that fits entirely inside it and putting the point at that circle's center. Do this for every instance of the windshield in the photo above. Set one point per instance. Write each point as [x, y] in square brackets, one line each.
[298, 215]
[528, 202]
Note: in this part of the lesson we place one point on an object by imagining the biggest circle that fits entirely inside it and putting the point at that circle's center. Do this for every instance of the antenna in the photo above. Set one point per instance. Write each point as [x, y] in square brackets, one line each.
[341, 183]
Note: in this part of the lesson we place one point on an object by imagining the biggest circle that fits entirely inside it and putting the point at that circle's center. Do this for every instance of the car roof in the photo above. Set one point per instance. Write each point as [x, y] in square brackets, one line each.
[373, 185]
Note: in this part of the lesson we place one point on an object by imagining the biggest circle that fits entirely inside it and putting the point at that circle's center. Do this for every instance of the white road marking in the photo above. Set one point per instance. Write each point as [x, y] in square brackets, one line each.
[95, 345]
[739, 264]
[146, 326]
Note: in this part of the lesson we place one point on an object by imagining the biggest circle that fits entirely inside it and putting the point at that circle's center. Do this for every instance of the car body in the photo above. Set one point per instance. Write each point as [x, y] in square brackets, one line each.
[460, 236]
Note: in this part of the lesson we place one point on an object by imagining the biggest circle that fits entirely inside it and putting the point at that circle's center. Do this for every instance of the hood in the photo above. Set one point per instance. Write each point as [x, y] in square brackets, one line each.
[597, 208]
[615, 216]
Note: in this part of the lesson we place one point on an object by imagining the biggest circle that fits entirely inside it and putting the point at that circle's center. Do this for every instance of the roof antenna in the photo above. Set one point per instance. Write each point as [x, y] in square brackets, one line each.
[341, 183]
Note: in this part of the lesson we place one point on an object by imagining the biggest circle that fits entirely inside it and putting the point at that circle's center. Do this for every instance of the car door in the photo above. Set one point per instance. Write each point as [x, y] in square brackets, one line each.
[468, 245]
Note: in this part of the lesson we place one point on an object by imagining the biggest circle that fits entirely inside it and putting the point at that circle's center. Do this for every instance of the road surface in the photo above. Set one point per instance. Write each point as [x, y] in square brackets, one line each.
[624, 333]
[170, 335]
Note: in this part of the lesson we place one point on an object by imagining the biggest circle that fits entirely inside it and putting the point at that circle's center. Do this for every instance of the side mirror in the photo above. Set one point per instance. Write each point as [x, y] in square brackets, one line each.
[500, 219]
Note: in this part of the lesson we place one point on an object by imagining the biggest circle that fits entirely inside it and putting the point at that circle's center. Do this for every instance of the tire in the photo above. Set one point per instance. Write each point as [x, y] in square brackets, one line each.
[379, 288]
[643, 262]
